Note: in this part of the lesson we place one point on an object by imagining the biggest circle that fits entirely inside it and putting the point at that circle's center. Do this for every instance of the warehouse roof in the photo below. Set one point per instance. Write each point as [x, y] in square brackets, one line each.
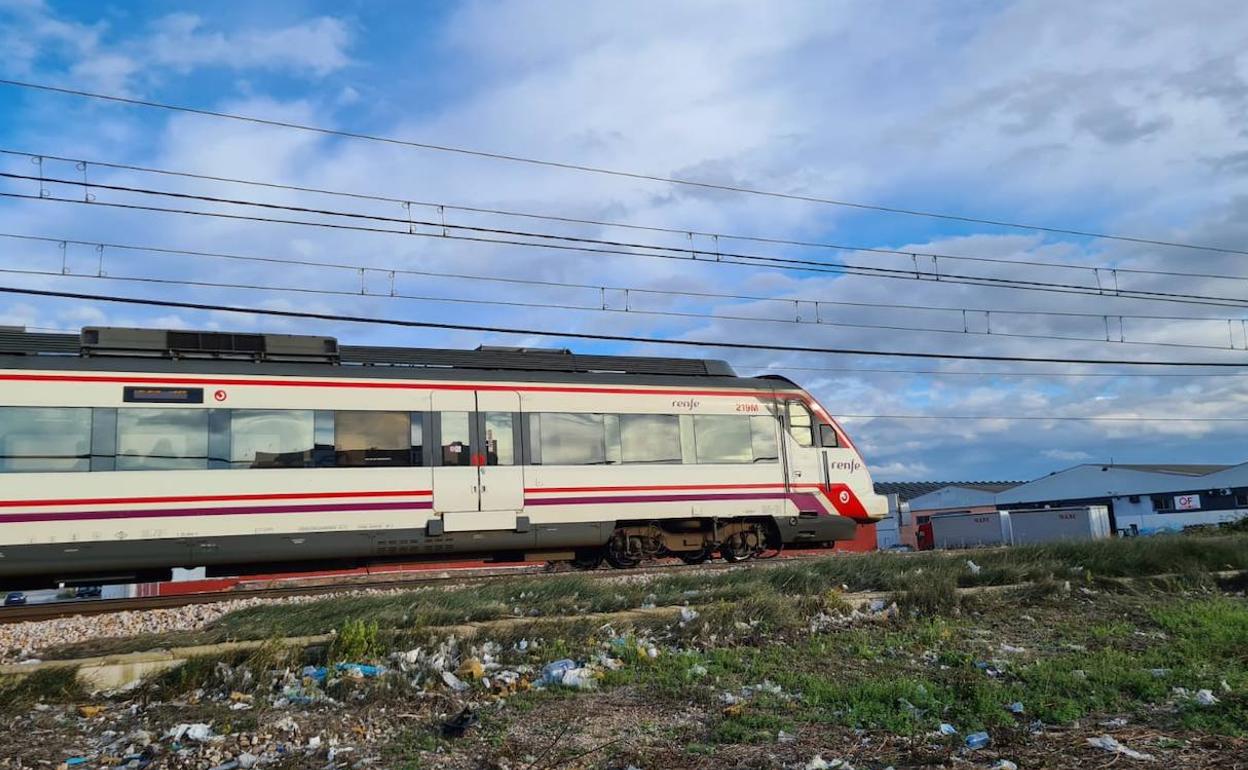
[908, 490]
[1182, 470]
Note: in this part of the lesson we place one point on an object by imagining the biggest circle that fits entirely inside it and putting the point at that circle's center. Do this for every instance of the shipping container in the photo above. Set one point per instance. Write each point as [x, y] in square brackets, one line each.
[1047, 525]
[968, 530]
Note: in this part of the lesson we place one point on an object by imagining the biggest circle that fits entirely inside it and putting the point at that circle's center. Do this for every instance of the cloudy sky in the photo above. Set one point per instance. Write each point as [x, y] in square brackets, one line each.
[1107, 118]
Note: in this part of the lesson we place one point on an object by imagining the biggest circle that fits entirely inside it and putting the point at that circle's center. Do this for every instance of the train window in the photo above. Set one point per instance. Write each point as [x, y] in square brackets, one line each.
[801, 424]
[572, 439]
[611, 422]
[500, 439]
[368, 439]
[417, 438]
[162, 439]
[722, 438]
[103, 439]
[271, 438]
[456, 439]
[763, 439]
[650, 438]
[35, 439]
[827, 436]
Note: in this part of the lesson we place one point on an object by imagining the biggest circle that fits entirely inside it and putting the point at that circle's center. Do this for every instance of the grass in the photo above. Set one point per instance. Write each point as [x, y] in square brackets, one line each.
[923, 582]
[51, 685]
[909, 676]
[778, 650]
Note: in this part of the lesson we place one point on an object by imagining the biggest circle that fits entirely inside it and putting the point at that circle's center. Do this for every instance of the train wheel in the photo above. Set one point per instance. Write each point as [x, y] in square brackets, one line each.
[742, 546]
[617, 554]
[697, 557]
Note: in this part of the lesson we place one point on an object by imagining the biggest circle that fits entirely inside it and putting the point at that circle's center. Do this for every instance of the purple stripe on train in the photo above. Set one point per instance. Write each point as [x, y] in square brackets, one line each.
[803, 500]
[172, 512]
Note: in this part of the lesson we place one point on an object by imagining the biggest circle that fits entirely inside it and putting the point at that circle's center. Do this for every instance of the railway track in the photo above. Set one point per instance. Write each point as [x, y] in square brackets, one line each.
[52, 610]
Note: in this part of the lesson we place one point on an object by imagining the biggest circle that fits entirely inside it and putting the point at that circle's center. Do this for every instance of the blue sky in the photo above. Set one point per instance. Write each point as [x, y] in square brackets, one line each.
[1104, 118]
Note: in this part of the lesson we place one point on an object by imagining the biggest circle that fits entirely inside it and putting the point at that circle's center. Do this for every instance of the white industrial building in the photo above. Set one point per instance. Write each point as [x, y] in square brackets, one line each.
[1140, 499]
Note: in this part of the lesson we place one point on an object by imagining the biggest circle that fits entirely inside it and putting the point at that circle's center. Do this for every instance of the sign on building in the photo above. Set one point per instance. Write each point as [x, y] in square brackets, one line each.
[1187, 503]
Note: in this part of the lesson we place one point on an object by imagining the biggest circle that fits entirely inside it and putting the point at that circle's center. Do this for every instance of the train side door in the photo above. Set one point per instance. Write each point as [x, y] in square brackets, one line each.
[804, 465]
[478, 482]
[456, 481]
[501, 472]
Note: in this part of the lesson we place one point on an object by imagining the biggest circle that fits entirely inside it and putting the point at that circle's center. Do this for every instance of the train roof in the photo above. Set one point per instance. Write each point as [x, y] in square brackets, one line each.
[211, 352]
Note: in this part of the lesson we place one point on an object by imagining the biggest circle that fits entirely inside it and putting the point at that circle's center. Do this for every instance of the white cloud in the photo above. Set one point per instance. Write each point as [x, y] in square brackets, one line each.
[318, 46]
[1066, 455]
[1015, 112]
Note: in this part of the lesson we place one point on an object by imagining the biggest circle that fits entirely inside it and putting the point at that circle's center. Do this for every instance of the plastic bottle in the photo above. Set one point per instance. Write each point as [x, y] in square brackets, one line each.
[977, 740]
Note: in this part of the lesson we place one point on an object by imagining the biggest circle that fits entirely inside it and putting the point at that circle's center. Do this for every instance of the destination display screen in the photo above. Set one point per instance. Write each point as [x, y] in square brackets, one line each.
[137, 395]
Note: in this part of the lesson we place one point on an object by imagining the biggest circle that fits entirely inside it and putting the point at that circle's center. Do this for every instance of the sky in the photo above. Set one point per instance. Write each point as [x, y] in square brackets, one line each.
[1101, 118]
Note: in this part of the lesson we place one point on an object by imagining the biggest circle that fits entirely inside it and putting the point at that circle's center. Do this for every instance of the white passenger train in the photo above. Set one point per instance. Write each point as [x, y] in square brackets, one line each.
[126, 452]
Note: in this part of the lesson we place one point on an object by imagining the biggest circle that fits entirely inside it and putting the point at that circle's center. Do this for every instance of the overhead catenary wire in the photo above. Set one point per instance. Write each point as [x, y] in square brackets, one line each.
[100, 246]
[195, 283]
[915, 372]
[582, 244]
[83, 164]
[567, 166]
[490, 329]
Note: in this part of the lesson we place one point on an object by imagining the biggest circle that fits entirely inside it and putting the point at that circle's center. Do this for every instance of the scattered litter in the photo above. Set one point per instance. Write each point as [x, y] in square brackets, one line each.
[1225, 687]
[977, 740]
[1004, 764]
[1012, 650]
[1159, 673]
[1016, 707]
[688, 615]
[552, 673]
[1206, 698]
[948, 729]
[1115, 722]
[1111, 744]
[199, 732]
[90, 711]
[286, 725]
[766, 686]
[233, 764]
[973, 567]
[315, 673]
[877, 605]
[580, 679]
[314, 742]
[73, 761]
[697, 669]
[471, 668]
[457, 725]
[783, 737]
[522, 645]
[454, 682]
[247, 760]
[817, 762]
[360, 670]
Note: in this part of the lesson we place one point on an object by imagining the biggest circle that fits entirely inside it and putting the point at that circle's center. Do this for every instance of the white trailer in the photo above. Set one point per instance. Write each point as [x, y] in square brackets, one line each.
[1048, 525]
[968, 530]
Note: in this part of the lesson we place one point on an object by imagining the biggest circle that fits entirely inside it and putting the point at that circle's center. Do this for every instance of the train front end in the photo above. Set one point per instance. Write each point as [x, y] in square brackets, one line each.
[827, 478]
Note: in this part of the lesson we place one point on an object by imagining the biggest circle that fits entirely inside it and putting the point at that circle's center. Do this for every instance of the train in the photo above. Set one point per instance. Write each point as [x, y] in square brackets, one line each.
[126, 453]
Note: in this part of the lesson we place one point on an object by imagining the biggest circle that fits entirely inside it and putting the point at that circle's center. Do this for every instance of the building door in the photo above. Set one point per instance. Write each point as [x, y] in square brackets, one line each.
[478, 483]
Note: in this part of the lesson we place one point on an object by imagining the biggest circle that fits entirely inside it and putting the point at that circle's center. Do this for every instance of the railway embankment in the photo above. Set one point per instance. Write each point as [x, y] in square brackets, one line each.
[862, 659]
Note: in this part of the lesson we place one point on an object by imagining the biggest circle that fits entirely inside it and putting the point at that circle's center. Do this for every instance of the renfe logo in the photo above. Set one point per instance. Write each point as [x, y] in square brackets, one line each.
[689, 404]
[852, 466]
